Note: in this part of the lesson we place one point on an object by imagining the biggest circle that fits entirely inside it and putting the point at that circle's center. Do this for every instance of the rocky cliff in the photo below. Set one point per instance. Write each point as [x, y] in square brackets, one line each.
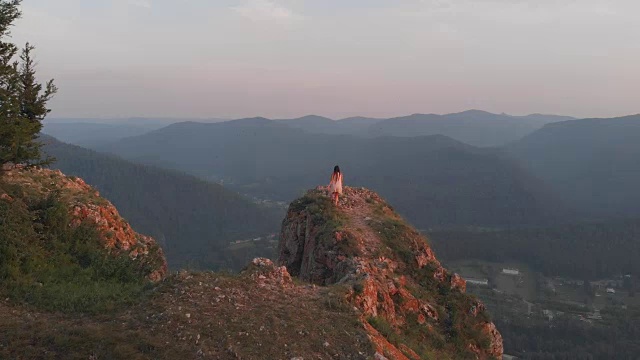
[31, 188]
[411, 307]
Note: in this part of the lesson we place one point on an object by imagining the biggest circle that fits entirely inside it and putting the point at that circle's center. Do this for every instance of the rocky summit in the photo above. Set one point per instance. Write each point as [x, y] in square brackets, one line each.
[411, 307]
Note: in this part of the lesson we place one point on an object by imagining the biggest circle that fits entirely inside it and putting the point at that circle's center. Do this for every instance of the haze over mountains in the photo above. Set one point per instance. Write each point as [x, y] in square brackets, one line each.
[94, 132]
[474, 127]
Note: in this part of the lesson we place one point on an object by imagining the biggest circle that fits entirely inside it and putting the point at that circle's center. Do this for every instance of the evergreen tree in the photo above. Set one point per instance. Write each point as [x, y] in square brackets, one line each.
[22, 99]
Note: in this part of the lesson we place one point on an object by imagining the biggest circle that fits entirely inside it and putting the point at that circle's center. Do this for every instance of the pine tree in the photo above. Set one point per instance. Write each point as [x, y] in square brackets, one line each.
[22, 99]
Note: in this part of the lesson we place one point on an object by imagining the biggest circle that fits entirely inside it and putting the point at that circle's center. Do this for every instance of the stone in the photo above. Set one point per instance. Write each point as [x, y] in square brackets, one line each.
[457, 282]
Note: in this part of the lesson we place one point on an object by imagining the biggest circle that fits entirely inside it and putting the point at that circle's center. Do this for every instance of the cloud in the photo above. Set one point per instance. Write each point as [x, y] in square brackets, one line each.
[265, 10]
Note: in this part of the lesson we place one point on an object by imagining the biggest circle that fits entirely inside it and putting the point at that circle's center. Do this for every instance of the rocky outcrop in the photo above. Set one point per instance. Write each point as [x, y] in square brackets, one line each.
[87, 207]
[266, 274]
[409, 304]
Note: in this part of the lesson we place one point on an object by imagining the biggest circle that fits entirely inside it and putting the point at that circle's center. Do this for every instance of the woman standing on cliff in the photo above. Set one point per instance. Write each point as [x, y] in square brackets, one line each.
[335, 186]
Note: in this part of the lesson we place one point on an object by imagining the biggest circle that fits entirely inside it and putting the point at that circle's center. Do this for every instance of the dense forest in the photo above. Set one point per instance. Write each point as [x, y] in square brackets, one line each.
[583, 251]
[192, 219]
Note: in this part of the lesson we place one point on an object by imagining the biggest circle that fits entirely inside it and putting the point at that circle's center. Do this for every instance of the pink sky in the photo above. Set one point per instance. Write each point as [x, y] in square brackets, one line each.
[231, 59]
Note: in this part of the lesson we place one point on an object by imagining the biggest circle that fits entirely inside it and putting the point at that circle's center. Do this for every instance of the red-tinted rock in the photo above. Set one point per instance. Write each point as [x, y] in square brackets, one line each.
[85, 206]
[315, 246]
[458, 282]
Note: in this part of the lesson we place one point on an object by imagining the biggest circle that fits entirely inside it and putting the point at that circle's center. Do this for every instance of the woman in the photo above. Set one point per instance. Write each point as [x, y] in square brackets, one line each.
[335, 186]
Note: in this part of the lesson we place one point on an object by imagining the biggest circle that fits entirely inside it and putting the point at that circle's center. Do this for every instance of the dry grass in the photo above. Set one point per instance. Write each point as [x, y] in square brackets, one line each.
[197, 315]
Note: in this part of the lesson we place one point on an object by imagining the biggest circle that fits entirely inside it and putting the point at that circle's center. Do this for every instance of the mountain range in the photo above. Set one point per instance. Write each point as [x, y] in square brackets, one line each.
[94, 132]
[474, 127]
[433, 180]
[587, 165]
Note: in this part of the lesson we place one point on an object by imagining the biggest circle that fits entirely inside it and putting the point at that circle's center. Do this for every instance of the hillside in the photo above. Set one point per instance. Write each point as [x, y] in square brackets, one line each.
[591, 163]
[65, 248]
[434, 181]
[192, 219]
[411, 307]
[378, 293]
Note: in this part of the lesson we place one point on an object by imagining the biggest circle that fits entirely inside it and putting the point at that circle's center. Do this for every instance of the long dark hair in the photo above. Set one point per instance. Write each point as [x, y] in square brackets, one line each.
[336, 169]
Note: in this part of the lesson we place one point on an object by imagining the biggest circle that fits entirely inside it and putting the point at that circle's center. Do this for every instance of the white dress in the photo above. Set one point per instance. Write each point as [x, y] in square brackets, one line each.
[336, 186]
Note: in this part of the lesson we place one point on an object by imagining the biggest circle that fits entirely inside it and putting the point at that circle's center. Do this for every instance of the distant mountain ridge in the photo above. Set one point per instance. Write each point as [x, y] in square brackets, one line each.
[434, 180]
[475, 127]
[92, 135]
[94, 132]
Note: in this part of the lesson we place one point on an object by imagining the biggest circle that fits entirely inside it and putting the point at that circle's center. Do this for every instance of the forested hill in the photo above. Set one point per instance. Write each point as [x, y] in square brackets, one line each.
[192, 219]
[591, 163]
[434, 181]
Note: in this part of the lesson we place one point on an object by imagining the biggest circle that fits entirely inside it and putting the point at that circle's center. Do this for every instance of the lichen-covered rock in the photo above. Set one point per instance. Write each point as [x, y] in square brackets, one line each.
[410, 305]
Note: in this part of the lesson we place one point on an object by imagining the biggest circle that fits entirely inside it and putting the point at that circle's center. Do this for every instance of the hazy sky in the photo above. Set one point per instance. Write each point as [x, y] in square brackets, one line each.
[338, 58]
